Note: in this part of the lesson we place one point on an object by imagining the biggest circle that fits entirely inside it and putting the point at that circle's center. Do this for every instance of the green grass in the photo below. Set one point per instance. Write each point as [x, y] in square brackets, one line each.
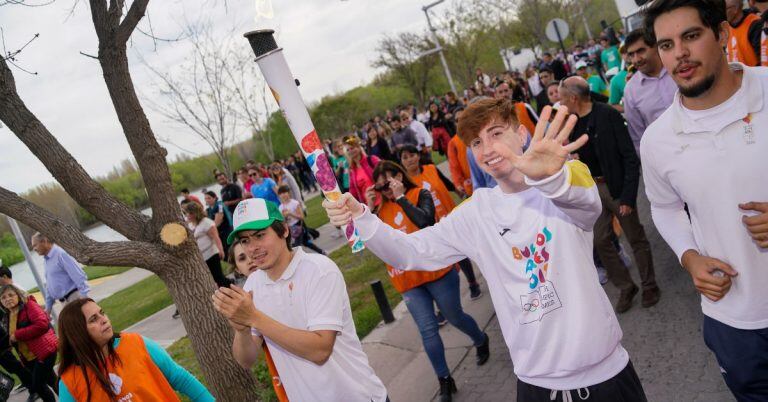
[316, 215]
[136, 302]
[359, 271]
[437, 158]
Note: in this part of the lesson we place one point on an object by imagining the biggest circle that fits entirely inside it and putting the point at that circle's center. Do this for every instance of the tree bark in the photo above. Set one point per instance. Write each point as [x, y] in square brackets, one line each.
[150, 156]
[62, 165]
[189, 281]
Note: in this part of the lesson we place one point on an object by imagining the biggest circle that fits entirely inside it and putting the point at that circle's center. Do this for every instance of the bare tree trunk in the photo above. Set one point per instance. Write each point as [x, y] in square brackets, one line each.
[189, 280]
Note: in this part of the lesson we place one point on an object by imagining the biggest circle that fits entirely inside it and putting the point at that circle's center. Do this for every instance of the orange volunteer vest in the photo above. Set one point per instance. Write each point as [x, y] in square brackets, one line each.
[739, 49]
[429, 180]
[137, 379]
[522, 117]
[457, 160]
[393, 215]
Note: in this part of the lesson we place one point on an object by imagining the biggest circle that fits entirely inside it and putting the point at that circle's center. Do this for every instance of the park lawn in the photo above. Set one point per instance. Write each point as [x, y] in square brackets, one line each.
[96, 272]
[437, 158]
[136, 302]
[359, 271]
[316, 215]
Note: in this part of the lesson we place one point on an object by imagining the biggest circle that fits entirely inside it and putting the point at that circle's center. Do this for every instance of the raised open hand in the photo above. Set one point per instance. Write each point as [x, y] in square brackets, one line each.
[546, 153]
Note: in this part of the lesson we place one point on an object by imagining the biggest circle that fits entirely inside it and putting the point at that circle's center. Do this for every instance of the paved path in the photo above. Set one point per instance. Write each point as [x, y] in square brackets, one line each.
[664, 342]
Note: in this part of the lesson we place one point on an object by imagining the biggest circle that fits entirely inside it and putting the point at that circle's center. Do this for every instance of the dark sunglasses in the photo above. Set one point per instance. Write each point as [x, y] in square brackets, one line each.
[253, 174]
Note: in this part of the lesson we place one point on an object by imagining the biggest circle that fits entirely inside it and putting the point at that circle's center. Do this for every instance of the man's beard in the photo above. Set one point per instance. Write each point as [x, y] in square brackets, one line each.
[699, 89]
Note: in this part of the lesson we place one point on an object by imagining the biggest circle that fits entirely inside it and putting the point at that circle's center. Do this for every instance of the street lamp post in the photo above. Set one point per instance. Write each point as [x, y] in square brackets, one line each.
[438, 48]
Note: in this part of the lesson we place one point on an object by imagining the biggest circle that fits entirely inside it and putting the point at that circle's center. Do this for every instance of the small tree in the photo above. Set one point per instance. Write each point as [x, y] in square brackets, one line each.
[161, 244]
[215, 93]
[403, 55]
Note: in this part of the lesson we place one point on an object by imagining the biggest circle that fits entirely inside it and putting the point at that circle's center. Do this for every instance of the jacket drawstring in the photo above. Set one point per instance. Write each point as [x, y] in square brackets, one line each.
[567, 394]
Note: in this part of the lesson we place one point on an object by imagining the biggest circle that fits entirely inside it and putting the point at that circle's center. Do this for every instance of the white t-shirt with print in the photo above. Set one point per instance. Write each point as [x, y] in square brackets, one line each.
[290, 207]
[204, 242]
[311, 295]
[534, 249]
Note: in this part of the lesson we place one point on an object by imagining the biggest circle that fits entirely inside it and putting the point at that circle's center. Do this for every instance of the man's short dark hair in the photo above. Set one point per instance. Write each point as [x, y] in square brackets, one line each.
[5, 272]
[547, 54]
[395, 118]
[185, 190]
[553, 83]
[636, 35]
[546, 70]
[711, 13]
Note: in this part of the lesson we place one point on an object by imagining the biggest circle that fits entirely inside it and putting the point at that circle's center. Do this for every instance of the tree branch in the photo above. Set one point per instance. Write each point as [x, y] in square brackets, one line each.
[84, 249]
[67, 171]
[131, 20]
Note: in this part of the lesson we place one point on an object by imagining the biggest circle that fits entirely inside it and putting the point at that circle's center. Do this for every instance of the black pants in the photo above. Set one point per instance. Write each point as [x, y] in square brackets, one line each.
[743, 358]
[12, 365]
[624, 387]
[43, 377]
[469, 272]
[214, 265]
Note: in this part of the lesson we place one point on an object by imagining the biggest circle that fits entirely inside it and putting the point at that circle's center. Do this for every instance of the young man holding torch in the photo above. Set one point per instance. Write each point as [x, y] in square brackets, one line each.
[531, 237]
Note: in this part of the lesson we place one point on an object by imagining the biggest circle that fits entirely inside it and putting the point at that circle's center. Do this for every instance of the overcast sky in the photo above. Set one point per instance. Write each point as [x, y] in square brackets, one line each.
[328, 44]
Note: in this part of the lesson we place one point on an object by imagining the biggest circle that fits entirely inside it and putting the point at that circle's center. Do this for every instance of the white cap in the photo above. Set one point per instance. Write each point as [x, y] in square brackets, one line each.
[581, 64]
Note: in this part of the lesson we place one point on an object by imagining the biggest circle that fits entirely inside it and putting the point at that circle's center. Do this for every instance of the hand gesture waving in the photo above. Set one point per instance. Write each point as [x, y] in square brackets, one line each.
[546, 153]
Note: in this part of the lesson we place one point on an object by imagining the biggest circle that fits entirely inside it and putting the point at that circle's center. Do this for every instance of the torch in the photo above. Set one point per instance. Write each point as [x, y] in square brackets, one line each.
[275, 69]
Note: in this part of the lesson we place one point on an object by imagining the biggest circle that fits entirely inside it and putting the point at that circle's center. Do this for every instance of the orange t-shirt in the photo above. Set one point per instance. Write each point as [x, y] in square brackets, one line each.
[136, 379]
[457, 161]
[393, 215]
[430, 180]
[739, 48]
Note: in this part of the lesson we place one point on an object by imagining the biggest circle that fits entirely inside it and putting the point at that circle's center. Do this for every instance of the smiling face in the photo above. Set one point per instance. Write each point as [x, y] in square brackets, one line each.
[209, 201]
[482, 148]
[264, 247]
[645, 58]
[97, 323]
[689, 50]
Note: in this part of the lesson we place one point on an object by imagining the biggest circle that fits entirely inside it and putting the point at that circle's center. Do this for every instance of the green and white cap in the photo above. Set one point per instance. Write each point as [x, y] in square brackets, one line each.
[253, 214]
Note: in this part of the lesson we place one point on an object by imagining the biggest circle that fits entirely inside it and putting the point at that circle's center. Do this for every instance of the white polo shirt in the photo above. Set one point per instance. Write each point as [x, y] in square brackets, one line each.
[311, 295]
[713, 160]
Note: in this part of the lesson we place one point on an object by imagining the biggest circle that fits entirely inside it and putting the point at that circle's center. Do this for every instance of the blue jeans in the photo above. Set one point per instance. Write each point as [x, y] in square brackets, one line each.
[444, 291]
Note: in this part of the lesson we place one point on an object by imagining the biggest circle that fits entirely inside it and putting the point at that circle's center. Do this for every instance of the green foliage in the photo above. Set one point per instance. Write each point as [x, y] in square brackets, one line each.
[10, 253]
[136, 302]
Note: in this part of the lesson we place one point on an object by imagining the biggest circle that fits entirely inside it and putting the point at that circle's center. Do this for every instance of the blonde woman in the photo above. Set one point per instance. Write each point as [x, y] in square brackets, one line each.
[208, 241]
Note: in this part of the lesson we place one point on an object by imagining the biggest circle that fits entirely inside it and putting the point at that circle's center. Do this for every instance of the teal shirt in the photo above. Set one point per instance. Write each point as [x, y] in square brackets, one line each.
[596, 84]
[179, 378]
[337, 161]
[618, 82]
[611, 58]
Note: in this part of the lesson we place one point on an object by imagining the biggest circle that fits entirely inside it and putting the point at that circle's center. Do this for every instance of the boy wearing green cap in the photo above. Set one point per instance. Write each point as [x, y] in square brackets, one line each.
[298, 304]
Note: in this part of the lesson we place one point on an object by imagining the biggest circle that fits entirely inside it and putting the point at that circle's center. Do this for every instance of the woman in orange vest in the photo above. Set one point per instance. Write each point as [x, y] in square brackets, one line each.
[100, 365]
[409, 208]
[431, 179]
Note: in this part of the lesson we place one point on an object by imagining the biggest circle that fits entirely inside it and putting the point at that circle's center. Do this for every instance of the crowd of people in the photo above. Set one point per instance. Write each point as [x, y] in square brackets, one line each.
[553, 162]
[548, 165]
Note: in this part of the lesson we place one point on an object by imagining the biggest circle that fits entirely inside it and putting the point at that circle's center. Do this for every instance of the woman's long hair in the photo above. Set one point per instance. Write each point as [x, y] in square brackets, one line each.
[78, 350]
[393, 168]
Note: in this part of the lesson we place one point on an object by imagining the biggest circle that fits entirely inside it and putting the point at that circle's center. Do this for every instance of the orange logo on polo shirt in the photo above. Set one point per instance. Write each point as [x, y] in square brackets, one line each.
[749, 135]
[290, 286]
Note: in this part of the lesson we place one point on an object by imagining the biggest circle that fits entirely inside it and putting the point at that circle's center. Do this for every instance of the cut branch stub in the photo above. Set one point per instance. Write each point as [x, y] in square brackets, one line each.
[173, 234]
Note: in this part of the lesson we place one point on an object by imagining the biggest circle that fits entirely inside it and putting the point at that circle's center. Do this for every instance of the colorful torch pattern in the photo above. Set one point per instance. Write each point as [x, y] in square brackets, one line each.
[275, 69]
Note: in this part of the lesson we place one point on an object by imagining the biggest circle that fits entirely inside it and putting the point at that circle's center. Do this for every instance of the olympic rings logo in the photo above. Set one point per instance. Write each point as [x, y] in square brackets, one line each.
[532, 306]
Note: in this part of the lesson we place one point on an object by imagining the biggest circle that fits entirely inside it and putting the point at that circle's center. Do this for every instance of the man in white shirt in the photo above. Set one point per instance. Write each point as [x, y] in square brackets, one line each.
[710, 150]
[531, 238]
[297, 304]
[423, 136]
